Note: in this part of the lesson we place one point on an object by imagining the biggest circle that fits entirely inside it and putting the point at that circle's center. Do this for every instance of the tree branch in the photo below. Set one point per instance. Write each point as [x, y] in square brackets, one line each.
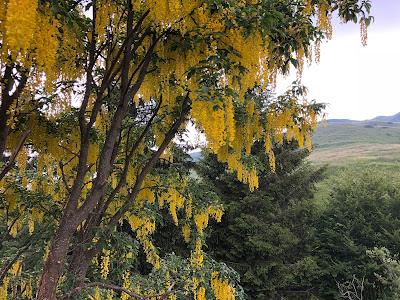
[131, 153]
[69, 151]
[185, 107]
[64, 179]
[118, 289]
[14, 155]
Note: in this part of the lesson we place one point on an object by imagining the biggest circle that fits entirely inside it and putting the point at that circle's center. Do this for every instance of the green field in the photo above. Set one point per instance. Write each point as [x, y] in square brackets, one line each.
[373, 145]
[338, 144]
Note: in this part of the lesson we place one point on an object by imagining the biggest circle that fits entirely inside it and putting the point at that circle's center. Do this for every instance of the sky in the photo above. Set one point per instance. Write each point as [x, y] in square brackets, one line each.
[357, 82]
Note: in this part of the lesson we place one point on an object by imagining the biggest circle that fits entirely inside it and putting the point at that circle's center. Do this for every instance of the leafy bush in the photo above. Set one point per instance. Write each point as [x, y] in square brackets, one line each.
[363, 213]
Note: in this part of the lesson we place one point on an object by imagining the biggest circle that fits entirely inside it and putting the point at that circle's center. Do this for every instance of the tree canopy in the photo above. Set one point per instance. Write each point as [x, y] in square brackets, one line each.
[93, 93]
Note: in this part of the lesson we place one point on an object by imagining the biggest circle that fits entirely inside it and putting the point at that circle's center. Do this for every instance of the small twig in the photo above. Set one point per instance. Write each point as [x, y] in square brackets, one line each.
[90, 166]
[117, 288]
[19, 295]
[11, 226]
[100, 284]
[14, 155]
[69, 151]
[349, 289]
[64, 178]
[169, 291]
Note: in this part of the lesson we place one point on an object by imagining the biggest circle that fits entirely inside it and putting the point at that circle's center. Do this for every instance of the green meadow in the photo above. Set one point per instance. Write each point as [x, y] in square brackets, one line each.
[371, 144]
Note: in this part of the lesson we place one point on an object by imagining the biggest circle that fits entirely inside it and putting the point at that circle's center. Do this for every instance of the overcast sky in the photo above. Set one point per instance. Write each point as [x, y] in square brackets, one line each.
[358, 82]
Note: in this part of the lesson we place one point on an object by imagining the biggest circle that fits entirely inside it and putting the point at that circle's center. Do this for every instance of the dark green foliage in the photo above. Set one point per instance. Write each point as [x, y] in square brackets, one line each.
[267, 235]
[363, 213]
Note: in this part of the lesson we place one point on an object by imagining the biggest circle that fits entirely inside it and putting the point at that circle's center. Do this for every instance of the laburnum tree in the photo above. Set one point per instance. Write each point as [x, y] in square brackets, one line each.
[93, 93]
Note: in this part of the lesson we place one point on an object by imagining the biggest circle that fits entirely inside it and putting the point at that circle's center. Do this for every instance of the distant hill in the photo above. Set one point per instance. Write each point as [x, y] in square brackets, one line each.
[394, 118]
[342, 121]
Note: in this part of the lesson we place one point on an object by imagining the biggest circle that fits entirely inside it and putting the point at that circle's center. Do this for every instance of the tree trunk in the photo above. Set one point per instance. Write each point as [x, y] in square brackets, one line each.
[55, 261]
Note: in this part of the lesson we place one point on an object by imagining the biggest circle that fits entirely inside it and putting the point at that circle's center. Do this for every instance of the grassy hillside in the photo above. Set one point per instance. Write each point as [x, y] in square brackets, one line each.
[368, 142]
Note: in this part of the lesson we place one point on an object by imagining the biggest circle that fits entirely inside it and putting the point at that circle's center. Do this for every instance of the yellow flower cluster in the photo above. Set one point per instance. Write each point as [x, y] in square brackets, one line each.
[106, 12]
[28, 289]
[4, 289]
[16, 267]
[202, 217]
[186, 232]
[69, 50]
[221, 288]
[237, 139]
[110, 294]
[196, 258]
[96, 295]
[31, 39]
[245, 176]
[126, 285]
[198, 289]
[20, 26]
[363, 32]
[168, 13]
[324, 17]
[144, 227]
[105, 264]
[200, 293]
[45, 41]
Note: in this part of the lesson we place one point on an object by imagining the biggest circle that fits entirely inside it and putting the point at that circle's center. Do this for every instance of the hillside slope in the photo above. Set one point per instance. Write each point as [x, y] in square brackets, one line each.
[344, 143]
[394, 118]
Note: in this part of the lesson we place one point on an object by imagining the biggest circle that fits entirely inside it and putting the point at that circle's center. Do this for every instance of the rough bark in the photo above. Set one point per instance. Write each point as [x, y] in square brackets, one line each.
[55, 261]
